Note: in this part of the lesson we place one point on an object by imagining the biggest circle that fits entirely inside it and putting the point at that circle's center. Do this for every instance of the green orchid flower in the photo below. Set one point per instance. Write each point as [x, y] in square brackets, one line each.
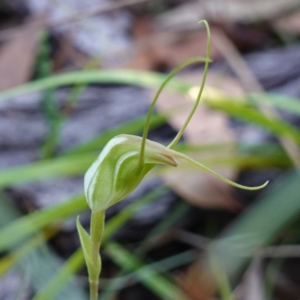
[122, 165]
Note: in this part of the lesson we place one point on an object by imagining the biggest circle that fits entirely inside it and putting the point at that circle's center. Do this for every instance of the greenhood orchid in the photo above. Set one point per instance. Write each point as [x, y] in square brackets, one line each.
[122, 165]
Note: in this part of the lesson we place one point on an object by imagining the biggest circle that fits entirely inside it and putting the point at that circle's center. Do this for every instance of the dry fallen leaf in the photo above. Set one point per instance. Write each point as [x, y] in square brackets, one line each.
[18, 54]
[207, 126]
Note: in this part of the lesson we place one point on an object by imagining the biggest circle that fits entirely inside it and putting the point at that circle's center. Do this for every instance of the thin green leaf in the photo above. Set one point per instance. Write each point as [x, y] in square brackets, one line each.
[25, 226]
[163, 265]
[222, 279]
[158, 284]
[138, 78]
[52, 168]
[282, 102]
[251, 115]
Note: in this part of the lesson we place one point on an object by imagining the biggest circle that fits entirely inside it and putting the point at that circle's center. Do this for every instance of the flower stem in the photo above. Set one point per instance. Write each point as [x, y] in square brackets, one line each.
[96, 231]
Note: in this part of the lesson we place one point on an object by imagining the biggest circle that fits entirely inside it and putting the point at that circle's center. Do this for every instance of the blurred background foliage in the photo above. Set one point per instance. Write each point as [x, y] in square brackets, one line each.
[73, 75]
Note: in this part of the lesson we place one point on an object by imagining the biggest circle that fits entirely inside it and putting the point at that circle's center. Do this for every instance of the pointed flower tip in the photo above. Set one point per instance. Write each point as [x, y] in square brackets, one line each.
[262, 186]
[170, 160]
[255, 188]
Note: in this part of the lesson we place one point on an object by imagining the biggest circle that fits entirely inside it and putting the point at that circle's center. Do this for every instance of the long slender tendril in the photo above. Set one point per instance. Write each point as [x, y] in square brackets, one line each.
[169, 77]
[184, 64]
[180, 133]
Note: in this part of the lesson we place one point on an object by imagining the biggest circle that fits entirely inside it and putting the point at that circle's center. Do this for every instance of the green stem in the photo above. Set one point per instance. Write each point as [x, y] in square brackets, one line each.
[96, 232]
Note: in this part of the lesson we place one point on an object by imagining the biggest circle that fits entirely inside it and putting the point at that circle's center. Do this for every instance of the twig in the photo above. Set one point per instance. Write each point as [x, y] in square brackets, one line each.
[251, 84]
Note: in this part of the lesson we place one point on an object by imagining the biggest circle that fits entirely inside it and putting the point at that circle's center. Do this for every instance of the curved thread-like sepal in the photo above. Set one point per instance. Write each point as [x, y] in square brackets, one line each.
[207, 60]
[203, 167]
